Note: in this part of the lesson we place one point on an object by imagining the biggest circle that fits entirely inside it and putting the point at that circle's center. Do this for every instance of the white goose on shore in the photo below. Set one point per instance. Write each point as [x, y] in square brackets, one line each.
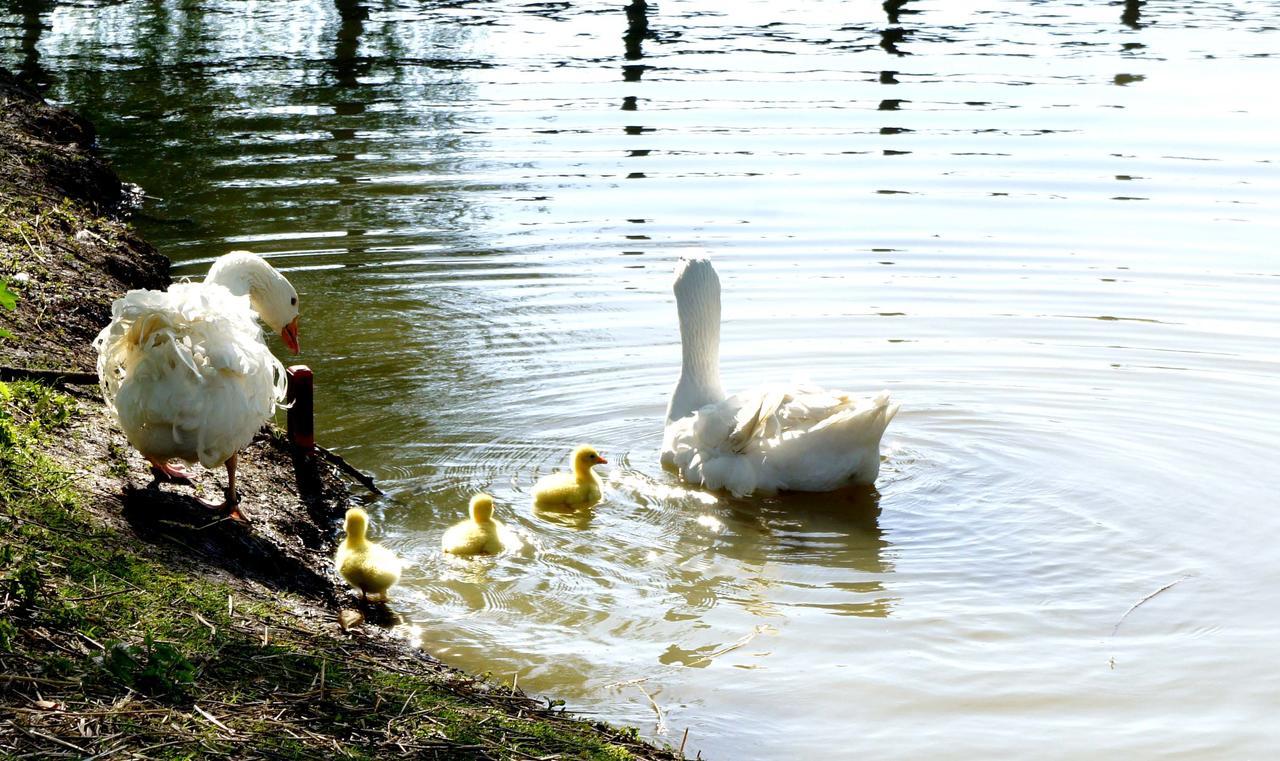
[186, 372]
[765, 440]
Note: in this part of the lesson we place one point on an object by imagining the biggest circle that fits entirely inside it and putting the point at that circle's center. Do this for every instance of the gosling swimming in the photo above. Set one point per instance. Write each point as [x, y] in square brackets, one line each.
[478, 535]
[572, 491]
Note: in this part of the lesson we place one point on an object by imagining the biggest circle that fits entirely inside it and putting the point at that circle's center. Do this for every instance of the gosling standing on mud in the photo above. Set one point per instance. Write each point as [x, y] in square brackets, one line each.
[366, 565]
[571, 491]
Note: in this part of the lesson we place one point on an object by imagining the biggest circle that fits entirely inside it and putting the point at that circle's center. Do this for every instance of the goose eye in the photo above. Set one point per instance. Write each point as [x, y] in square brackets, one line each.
[293, 302]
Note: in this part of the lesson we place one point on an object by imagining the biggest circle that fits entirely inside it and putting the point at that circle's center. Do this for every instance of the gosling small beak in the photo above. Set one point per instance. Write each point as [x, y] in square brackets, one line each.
[601, 460]
[290, 335]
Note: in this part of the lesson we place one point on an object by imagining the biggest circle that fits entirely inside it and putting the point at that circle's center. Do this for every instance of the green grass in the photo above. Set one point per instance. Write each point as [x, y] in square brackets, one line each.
[161, 660]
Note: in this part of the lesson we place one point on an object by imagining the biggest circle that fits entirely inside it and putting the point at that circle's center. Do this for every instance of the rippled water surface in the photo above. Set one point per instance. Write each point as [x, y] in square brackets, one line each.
[1048, 228]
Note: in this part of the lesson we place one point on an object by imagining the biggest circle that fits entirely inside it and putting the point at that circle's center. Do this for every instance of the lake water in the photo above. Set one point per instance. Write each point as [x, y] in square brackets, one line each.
[1048, 228]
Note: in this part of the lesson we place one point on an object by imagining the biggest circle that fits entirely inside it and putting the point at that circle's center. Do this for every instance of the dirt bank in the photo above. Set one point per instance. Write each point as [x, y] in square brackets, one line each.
[132, 624]
[67, 254]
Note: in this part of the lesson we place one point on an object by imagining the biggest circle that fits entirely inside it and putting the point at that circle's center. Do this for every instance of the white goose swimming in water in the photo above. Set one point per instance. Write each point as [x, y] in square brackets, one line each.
[764, 440]
[186, 372]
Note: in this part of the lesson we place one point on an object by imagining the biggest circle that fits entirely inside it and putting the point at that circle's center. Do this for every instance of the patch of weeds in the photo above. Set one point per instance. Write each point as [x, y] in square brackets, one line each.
[119, 465]
[23, 584]
[8, 301]
[154, 668]
[8, 633]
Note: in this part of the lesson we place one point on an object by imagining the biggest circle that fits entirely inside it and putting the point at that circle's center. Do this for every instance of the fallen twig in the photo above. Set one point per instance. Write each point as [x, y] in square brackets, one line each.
[41, 736]
[662, 720]
[74, 377]
[363, 478]
[38, 680]
[102, 596]
[1139, 603]
[733, 645]
[212, 718]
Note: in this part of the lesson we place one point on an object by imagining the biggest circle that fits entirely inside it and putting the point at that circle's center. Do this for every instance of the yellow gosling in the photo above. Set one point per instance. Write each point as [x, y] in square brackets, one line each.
[571, 491]
[366, 565]
[478, 535]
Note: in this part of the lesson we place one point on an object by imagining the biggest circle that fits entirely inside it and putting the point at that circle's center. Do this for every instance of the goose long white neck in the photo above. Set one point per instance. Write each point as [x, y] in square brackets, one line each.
[697, 289]
[270, 294]
[242, 273]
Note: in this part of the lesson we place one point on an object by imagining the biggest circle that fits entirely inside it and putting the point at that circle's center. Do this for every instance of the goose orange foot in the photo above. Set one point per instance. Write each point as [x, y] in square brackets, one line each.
[164, 470]
[230, 505]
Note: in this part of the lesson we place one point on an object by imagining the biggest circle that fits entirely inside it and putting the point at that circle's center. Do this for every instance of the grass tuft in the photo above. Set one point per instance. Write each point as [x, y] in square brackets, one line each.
[105, 643]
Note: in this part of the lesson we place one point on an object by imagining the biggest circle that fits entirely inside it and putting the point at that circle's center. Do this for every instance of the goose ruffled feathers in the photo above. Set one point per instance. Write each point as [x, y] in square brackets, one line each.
[186, 372]
[764, 440]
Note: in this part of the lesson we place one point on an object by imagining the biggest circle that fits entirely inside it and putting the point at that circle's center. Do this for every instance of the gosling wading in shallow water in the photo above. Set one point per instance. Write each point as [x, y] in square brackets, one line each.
[578, 489]
[480, 534]
[186, 372]
[366, 565]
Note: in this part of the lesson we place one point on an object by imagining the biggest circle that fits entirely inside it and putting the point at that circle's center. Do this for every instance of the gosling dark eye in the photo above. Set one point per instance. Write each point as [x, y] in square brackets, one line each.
[293, 302]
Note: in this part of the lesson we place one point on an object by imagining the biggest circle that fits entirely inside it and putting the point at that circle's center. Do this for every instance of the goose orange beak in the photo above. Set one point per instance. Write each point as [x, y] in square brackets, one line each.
[602, 461]
[290, 335]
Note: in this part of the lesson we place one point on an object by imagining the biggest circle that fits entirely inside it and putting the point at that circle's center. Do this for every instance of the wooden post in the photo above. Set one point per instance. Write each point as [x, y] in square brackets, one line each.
[301, 414]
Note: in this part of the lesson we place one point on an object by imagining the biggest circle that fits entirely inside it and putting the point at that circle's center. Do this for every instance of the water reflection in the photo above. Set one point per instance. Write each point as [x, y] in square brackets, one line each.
[1132, 15]
[578, 520]
[347, 67]
[745, 553]
[30, 71]
[637, 29]
[896, 8]
[890, 38]
[444, 182]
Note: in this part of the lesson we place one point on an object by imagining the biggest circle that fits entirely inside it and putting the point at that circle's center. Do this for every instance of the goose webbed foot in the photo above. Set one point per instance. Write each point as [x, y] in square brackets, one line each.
[230, 505]
[164, 470]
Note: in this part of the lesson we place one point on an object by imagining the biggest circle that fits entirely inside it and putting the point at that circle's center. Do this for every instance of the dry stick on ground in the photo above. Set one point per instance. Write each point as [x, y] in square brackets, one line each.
[40, 735]
[212, 718]
[1139, 603]
[74, 377]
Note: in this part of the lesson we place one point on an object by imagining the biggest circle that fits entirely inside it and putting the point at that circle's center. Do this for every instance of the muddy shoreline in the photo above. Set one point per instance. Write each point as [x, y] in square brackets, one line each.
[68, 255]
[66, 252]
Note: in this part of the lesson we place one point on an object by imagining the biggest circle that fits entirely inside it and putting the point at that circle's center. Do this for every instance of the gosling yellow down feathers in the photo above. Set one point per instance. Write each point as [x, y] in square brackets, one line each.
[478, 535]
[366, 565]
[571, 491]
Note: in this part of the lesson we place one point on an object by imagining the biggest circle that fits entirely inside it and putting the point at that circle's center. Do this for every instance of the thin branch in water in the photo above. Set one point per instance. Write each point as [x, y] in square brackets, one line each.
[337, 460]
[662, 719]
[625, 683]
[740, 642]
[1139, 603]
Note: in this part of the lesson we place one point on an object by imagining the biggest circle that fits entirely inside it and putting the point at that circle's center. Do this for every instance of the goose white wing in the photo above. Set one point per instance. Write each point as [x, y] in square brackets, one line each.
[186, 372]
[774, 439]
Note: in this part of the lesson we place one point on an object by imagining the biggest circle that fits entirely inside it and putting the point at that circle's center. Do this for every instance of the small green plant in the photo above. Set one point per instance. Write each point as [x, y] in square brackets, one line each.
[9, 301]
[119, 460]
[21, 584]
[8, 633]
[154, 668]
